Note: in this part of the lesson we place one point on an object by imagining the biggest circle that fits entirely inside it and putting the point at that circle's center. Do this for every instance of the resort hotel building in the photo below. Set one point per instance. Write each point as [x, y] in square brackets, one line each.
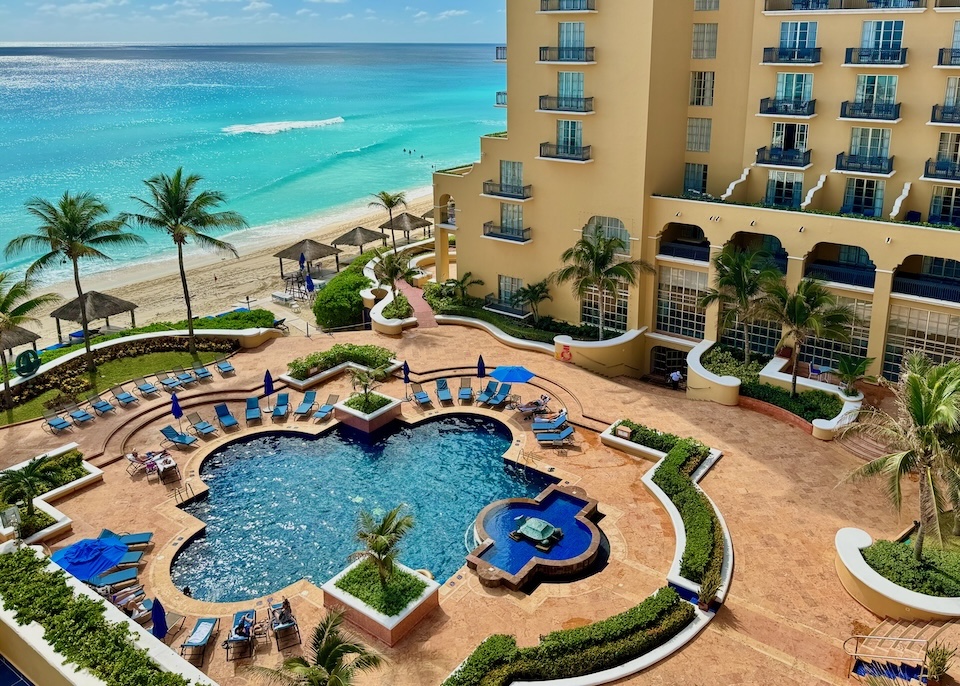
[826, 132]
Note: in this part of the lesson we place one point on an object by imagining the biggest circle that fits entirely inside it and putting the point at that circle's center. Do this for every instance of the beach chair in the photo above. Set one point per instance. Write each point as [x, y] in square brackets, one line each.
[224, 366]
[142, 539]
[253, 410]
[465, 394]
[173, 437]
[144, 387]
[239, 647]
[99, 405]
[168, 382]
[111, 579]
[183, 376]
[306, 407]
[419, 395]
[443, 391]
[282, 408]
[501, 395]
[550, 425]
[327, 408]
[488, 392]
[199, 425]
[138, 462]
[286, 635]
[281, 324]
[175, 622]
[77, 415]
[122, 396]
[538, 406]
[196, 644]
[224, 417]
[54, 422]
[131, 558]
[555, 439]
[201, 372]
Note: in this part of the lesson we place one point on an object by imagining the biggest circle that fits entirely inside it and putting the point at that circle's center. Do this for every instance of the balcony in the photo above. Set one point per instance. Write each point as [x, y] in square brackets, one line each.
[821, 5]
[507, 233]
[778, 157]
[568, 5]
[788, 108]
[864, 164]
[501, 99]
[945, 114]
[849, 274]
[686, 251]
[942, 170]
[513, 192]
[562, 54]
[501, 53]
[780, 201]
[791, 55]
[870, 110]
[949, 57]
[923, 286]
[877, 57]
[565, 152]
[492, 303]
[944, 219]
[564, 104]
[859, 207]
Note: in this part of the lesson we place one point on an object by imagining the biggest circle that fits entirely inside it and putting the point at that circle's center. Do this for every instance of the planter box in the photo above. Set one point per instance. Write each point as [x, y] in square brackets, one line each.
[776, 412]
[368, 423]
[389, 630]
[320, 377]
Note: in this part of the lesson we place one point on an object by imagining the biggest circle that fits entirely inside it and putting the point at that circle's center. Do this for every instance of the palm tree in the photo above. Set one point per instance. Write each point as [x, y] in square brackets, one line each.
[461, 286]
[393, 267]
[16, 306]
[532, 295]
[366, 380]
[740, 276]
[851, 369]
[921, 437]
[335, 659]
[593, 263]
[809, 312]
[176, 208]
[25, 484]
[381, 540]
[385, 200]
[72, 229]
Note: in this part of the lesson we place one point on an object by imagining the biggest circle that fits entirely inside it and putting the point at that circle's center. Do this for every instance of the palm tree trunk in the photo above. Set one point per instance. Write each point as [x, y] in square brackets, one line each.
[393, 234]
[918, 541]
[186, 298]
[83, 316]
[746, 343]
[7, 398]
[794, 357]
[601, 315]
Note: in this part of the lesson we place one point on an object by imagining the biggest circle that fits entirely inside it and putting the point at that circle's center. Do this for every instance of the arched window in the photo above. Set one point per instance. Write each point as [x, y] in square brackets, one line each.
[610, 227]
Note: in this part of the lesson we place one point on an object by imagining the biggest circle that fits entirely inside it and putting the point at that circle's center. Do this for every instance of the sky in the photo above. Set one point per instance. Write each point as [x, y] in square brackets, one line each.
[244, 21]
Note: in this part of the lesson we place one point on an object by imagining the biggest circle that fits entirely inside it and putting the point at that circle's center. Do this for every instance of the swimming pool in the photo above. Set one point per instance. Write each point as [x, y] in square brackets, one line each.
[284, 506]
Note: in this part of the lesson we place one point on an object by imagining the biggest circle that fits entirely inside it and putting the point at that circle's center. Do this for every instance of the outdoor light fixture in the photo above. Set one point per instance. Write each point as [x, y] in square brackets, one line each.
[801, 229]
[889, 240]
[753, 223]
[679, 213]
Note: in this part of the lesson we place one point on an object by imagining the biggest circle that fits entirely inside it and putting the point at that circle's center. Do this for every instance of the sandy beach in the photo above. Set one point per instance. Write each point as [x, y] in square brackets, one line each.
[217, 282]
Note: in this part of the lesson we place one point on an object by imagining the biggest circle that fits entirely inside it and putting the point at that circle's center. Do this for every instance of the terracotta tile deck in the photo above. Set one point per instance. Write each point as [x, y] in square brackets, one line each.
[781, 491]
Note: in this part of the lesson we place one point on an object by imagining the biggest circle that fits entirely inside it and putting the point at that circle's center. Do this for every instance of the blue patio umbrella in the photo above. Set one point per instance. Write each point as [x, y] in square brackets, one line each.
[311, 287]
[92, 556]
[268, 386]
[512, 374]
[406, 378]
[481, 368]
[159, 617]
[175, 408]
[303, 260]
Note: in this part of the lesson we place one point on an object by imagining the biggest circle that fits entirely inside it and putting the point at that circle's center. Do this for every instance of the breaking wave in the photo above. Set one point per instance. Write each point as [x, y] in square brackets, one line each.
[273, 127]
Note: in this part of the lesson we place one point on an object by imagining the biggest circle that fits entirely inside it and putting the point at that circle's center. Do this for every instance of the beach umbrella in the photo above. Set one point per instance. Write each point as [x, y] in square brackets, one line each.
[511, 374]
[481, 368]
[268, 386]
[159, 617]
[92, 556]
[175, 409]
[311, 286]
[406, 377]
[303, 261]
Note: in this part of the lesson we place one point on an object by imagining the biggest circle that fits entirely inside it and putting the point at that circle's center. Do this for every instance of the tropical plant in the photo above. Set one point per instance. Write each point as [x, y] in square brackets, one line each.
[593, 263]
[176, 208]
[939, 660]
[72, 229]
[16, 307]
[385, 200]
[852, 369]
[458, 287]
[26, 483]
[811, 311]
[737, 287]
[532, 295]
[393, 267]
[920, 436]
[381, 539]
[366, 380]
[335, 659]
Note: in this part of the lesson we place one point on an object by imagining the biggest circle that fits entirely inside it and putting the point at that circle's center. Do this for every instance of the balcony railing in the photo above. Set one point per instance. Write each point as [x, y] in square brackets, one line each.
[565, 152]
[870, 110]
[876, 56]
[927, 287]
[864, 277]
[945, 219]
[861, 208]
[791, 55]
[507, 233]
[865, 164]
[568, 5]
[565, 104]
[563, 54]
[783, 158]
[501, 98]
[501, 53]
[815, 5]
[947, 170]
[507, 190]
[949, 57]
[945, 114]
[687, 251]
[788, 108]
[505, 306]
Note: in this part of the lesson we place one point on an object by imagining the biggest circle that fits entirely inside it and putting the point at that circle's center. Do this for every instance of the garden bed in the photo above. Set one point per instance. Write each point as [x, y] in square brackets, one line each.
[937, 574]
[370, 356]
[363, 583]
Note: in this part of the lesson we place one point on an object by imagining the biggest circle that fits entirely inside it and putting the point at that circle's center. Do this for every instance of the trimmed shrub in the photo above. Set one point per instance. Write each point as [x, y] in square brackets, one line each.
[363, 583]
[652, 438]
[808, 405]
[64, 469]
[372, 356]
[938, 574]
[400, 308]
[339, 304]
[723, 361]
[368, 404]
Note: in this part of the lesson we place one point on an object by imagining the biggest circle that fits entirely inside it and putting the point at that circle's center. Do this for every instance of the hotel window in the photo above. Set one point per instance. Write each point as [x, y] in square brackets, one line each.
[705, 5]
[866, 142]
[511, 219]
[698, 134]
[569, 137]
[570, 89]
[855, 256]
[949, 148]
[704, 41]
[863, 196]
[796, 87]
[511, 177]
[678, 302]
[610, 227]
[798, 35]
[824, 353]
[942, 267]
[701, 88]
[880, 90]
[882, 35]
[936, 334]
[508, 286]
[952, 96]
[787, 136]
[956, 36]
[614, 312]
[694, 178]
[784, 189]
[572, 39]
[945, 206]
[764, 336]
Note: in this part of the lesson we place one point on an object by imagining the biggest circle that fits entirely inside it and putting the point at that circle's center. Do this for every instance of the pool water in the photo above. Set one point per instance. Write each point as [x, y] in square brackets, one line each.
[284, 507]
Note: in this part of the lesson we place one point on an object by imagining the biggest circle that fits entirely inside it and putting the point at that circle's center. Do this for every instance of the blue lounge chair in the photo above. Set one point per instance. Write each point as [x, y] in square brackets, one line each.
[554, 424]
[142, 539]
[419, 395]
[122, 396]
[77, 415]
[55, 422]
[253, 410]
[196, 644]
[443, 391]
[466, 389]
[145, 387]
[224, 417]
[114, 578]
[131, 558]
[282, 406]
[327, 408]
[99, 405]
[287, 634]
[173, 437]
[224, 367]
[488, 392]
[501, 395]
[556, 438]
[239, 647]
[199, 426]
[201, 372]
[168, 382]
[306, 407]
[183, 376]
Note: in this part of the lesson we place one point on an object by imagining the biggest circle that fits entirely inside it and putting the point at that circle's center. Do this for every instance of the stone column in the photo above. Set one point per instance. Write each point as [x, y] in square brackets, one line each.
[879, 318]
[442, 247]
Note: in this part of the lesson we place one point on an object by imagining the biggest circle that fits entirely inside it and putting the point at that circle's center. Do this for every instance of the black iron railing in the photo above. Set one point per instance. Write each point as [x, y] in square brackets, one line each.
[562, 54]
[864, 277]
[505, 306]
[781, 157]
[948, 170]
[788, 108]
[501, 98]
[507, 190]
[949, 57]
[870, 110]
[867, 164]
[877, 56]
[568, 5]
[565, 104]
[927, 287]
[945, 114]
[791, 55]
[501, 53]
[507, 233]
[565, 152]
[687, 251]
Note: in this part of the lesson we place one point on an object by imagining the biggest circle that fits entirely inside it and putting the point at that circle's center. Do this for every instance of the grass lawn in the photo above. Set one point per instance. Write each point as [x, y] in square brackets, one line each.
[108, 375]
[363, 582]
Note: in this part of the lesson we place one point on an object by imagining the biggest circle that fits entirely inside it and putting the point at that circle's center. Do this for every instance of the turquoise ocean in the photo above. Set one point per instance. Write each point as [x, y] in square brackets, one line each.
[295, 135]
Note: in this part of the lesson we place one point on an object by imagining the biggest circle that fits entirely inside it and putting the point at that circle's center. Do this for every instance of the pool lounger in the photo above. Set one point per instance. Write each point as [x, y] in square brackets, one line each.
[55, 422]
[131, 559]
[144, 387]
[99, 405]
[306, 407]
[239, 647]
[224, 417]
[253, 410]
[183, 376]
[201, 372]
[501, 396]
[142, 539]
[123, 397]
[556, 439]
[488, 392]
[466, 389]
[77, 415]
[551, 424]
[114, 578]
[174, 437]
[196, 644]
[419, 395]
[282, 407]
[224, 366]
[286, 635]
[327, 408]
[199, 425]
[168, 382]
[443, 391]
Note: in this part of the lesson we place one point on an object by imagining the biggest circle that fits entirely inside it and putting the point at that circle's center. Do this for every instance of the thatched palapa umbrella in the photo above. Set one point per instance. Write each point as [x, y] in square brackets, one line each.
[18, 336]
[311, 251]
[360, 236]
[97, 306]
[406, 222]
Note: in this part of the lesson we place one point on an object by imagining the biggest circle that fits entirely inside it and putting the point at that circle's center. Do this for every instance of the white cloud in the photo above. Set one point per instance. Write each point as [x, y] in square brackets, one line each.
[256, 6]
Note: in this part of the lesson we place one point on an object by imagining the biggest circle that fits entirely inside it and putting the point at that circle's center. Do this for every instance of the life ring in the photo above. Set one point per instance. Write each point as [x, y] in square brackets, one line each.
[27, 363]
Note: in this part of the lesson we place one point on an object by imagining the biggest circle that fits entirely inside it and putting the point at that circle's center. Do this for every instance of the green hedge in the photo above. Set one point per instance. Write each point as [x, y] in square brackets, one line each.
[574, 652]
[339, 303]
[75, 626]
[368, 405]
[399, 308]
[65, 468]
[363, 582]
[938, 574]
[808, 405]
[372, 356]
[652, 438]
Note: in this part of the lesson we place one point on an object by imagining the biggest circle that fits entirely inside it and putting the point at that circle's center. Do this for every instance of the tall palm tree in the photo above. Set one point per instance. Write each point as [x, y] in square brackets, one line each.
[533, 295]
[393, 267]
[176, 207]
[16, 307]
[594, 263]
[335, 659]
[381, 540]
[25, 484]
[385, 200]
[921, 436]
[740, 276]
[809, 312]
[71, 229]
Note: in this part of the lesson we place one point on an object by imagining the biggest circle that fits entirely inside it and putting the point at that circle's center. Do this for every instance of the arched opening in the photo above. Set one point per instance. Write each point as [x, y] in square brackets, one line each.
[685, 241]
[447, 211]
[771, 245]
[609, 227]
[924, 276]
[664, 360]
[847, 264]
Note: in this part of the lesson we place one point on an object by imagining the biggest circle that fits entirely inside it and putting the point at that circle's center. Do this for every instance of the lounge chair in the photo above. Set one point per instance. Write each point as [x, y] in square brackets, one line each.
[131, 558]
[175, 622]
[201, 372]
[538, 406]
[224, 366]
[224, 417]
[556, 438]
[168, 382]
[77, 415]
[142, 539]
[419, 395]
[199, 425]
[554, 424]
[282, 407]
[111, 579]
[138, 462]
[286, 635]
[466, 389]
[327, 408]
[183, 376]
[122, 396]
[501, 395]
[196, 644]
[239, 647]
[55, 422]
[99, 405]
[253, 410]
[281, 324]
[488, 392]
[443, 391]
[173, 437]
[144, 387]
[306, 407]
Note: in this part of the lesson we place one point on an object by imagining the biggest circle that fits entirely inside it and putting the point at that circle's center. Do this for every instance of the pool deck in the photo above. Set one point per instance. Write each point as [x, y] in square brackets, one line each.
[781, 492]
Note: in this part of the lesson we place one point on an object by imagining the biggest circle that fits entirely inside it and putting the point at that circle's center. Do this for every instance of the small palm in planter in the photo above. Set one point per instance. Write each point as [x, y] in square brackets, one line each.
[939, 660]
[25, 484]
[364, 381]
[381, 540]
[852, 369]
[709, 588]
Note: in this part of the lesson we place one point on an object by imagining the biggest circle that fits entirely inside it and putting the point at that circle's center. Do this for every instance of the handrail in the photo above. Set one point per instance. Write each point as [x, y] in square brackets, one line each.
[897, 658]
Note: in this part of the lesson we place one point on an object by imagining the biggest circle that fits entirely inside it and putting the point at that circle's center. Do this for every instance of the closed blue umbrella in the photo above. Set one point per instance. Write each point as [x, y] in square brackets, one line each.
[159, 617]
[303, 260]
[268, 385]
[92, 556]
[481, 368]
[512, 374]
[175, 409]
[406, 379]
[311, 287]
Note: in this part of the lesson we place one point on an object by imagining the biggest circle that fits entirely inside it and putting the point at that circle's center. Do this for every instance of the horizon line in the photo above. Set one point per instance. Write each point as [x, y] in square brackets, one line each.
[41, 44]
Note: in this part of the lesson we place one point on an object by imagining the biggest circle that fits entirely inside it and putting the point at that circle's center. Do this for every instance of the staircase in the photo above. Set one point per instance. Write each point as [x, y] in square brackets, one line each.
[895, 649]
[863, 446]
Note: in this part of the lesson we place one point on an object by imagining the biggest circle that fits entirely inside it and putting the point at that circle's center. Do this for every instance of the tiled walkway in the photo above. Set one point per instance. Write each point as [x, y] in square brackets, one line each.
[421, 310]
